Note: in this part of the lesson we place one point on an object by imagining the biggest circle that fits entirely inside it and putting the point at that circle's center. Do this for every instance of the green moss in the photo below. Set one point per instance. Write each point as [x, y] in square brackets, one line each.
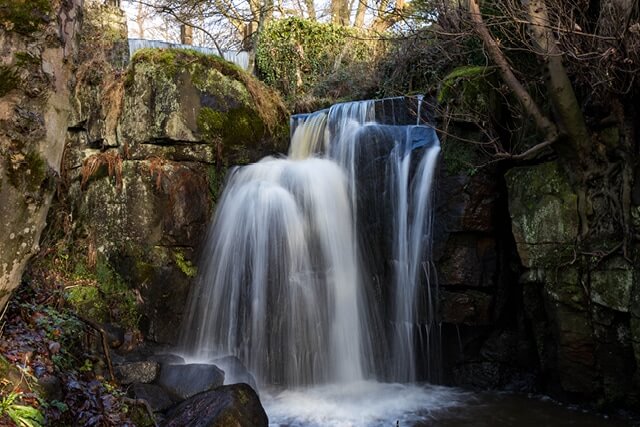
[103, 296]
[210, 123]
[29, 173]
[172, 61]
[214, 182]
[24, 16]
[25, 60]
[184, 264]
[9, 80]
[466, 73]
[87, 300]
[237, 127]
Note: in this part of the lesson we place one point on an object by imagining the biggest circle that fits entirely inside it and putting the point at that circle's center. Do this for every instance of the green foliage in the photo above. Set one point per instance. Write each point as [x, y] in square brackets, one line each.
[103, 296]
[64, 328]
[184, 264]
[22, 415]
[294, 55]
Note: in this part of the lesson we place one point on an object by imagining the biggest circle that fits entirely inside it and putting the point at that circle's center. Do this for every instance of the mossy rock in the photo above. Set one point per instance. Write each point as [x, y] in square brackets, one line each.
[469, 92]
[27, 171]
[461, 157]
[612, 284]
[24, 16]
[543, 209]
[103, 296]
[237, 127]
[189, 96]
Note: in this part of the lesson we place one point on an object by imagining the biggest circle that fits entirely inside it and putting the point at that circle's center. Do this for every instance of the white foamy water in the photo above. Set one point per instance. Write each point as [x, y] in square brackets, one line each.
[359, 404]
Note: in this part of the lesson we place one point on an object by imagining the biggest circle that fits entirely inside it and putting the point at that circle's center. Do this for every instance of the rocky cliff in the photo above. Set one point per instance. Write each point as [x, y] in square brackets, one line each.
[38, 50]
[525, 304]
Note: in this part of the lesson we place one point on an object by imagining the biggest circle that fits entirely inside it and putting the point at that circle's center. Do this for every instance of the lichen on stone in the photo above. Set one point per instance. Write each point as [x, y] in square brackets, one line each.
[543, 209]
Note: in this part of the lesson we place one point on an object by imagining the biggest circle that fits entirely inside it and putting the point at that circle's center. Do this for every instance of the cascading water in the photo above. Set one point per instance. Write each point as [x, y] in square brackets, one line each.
[316, 269]
[281, 290]
[348, 134]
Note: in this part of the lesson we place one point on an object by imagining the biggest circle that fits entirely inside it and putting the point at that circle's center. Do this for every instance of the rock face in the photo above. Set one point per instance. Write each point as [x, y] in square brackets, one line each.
[232, 405]
[38, 47]
[148, 149]
[580, 308]
[485, 343]
[543, 212]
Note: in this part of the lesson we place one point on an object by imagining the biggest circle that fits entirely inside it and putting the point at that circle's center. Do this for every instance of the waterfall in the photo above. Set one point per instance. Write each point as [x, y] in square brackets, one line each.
[317, 267]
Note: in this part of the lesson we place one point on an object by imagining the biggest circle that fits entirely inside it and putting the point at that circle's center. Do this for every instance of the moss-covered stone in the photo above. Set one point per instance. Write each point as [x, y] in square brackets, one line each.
[543, 209]
[188, 96]
[103, 296]
[562, 286]
[612, 283]
[237, 127]
[460, 157]
[27, 171]
[469, 93]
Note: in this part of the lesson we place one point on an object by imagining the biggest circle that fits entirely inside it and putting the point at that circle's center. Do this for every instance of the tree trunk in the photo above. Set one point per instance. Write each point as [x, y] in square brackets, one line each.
[340, 12]
[360, 11]
[570, 118]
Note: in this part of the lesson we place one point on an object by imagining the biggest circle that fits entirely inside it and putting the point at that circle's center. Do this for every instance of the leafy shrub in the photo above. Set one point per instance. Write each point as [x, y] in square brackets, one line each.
[295, 55]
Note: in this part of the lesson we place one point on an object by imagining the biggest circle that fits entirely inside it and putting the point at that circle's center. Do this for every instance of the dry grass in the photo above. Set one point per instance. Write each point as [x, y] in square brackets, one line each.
[110, 159]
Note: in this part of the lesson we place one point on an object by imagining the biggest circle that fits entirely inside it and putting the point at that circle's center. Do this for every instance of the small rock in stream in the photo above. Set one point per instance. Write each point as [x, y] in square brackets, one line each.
[184, 381]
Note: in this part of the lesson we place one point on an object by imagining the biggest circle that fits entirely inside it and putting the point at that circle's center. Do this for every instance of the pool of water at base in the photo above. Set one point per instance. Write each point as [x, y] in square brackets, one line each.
[373, 404]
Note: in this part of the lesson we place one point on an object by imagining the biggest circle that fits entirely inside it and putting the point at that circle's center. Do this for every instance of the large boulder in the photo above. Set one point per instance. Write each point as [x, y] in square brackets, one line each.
[184, 381]
[231, 405]
[147, 155]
